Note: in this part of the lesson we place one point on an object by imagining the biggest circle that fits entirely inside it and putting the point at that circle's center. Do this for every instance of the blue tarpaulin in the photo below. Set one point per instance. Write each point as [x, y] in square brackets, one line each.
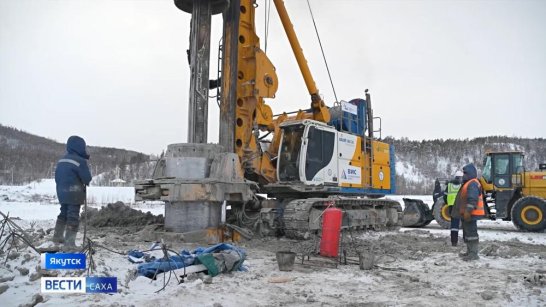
[227, 258]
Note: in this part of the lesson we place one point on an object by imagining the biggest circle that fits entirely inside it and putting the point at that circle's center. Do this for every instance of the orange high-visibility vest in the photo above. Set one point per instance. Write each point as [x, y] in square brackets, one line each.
[479, 211]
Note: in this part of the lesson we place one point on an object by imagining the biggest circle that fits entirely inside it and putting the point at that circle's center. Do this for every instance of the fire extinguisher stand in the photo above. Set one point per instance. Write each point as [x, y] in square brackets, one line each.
[329, 245]
[331, 231]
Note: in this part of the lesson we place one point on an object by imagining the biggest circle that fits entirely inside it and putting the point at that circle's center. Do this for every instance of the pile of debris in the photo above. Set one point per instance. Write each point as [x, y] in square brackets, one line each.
[119, 214]
[535, 279]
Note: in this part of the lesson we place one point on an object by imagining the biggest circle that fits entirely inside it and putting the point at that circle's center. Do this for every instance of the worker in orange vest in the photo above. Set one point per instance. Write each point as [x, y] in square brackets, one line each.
[469, 206]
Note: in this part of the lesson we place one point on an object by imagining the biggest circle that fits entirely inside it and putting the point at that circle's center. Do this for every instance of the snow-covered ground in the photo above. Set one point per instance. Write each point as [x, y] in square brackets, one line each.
[37, 201]
[416, 267]
[44, 191]
[489, 230]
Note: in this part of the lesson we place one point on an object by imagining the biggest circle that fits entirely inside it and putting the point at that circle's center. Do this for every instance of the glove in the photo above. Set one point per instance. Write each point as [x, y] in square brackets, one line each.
[467, 216]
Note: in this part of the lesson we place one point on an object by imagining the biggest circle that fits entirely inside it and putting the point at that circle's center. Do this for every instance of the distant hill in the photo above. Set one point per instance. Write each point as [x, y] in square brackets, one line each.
[420, 162]
[34, 157]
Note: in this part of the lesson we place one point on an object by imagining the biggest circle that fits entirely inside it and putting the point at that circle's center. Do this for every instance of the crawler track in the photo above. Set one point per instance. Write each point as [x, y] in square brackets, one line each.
[302, 217]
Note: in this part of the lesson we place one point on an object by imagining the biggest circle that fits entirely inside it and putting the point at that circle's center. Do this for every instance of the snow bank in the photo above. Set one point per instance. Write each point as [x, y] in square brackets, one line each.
[108, 195]
[37, 201]
[44, 191]
[38, 190]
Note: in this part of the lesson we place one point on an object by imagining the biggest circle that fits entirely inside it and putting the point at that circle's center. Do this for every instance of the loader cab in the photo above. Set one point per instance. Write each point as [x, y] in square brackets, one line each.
[306, 153]
[502, 170]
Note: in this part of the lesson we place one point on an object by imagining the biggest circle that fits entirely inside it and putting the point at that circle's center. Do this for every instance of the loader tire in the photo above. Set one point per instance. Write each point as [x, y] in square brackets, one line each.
[529, 214]
[441, 213]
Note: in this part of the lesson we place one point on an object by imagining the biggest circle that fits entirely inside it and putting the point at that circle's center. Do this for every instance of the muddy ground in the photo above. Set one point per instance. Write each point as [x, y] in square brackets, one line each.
[413, 268]
[119, 214]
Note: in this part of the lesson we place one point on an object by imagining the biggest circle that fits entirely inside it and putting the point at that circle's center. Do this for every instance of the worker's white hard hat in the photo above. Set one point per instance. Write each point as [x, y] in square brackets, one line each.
[458, 174]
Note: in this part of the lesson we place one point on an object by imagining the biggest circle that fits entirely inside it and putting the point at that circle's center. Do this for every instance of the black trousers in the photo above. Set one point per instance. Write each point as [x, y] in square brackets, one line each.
[70, 214]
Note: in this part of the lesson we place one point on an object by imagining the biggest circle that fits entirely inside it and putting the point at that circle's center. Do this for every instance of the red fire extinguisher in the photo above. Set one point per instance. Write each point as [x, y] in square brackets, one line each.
[331, 229]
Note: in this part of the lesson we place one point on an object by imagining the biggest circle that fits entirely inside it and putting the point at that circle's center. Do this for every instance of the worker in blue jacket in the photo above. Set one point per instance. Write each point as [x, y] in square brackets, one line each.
[72, 175]
[470, 207]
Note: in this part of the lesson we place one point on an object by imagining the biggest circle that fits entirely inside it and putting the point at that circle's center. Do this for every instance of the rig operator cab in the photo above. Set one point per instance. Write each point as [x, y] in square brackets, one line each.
[313, 153]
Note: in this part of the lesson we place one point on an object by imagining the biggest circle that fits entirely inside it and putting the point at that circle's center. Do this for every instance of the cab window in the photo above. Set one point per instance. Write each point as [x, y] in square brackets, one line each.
[486, 173]
[290, 152]
[320, 148]
[501, 165]
[518, 163]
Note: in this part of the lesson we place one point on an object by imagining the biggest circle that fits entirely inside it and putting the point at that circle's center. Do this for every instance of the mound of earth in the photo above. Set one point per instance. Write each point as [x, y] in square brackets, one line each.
[119, 214]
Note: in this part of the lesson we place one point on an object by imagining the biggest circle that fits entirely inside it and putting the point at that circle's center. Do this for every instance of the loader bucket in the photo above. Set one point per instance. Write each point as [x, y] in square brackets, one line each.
[416, 213]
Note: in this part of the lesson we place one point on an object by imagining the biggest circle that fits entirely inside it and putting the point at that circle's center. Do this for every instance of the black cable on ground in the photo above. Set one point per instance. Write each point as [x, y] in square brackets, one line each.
[88, 248]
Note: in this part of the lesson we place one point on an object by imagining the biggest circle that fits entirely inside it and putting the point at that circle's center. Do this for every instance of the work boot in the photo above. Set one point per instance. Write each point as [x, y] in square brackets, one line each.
[464, 254]
[70, 238]
[472, 251]
[58, 235]
[454, 238]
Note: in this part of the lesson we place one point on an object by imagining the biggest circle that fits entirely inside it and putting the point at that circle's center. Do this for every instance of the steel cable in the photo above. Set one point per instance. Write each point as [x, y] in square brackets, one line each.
[322, 50]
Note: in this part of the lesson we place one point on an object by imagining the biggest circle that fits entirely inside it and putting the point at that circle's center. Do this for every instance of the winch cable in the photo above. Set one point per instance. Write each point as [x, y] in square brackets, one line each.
[322, 50]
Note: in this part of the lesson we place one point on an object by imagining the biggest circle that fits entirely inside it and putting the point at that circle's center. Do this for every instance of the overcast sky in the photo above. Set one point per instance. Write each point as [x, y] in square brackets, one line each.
[115, 72]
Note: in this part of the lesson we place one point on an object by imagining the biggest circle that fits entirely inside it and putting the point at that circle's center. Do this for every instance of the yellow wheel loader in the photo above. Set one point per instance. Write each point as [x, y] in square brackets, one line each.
[514, 193]
[511, 193]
